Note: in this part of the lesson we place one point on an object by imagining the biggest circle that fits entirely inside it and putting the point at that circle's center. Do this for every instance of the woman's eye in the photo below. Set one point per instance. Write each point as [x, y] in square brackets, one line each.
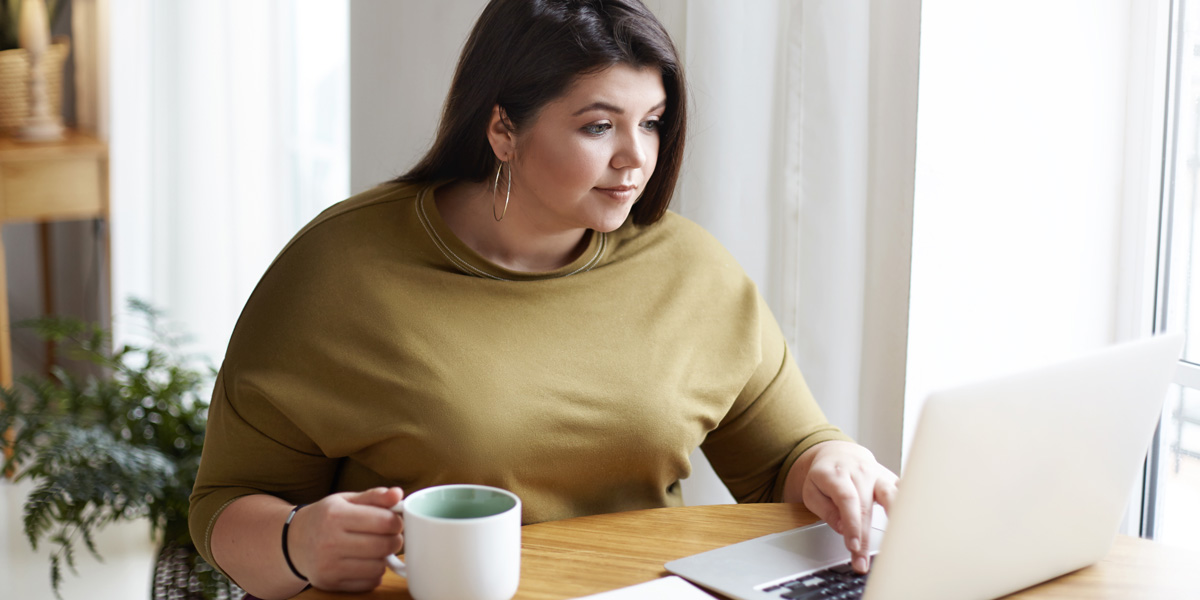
[597, 128]
[652, 125]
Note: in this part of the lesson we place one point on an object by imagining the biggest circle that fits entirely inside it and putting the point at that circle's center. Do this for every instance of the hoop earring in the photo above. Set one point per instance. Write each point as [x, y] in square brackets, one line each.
[507, 192]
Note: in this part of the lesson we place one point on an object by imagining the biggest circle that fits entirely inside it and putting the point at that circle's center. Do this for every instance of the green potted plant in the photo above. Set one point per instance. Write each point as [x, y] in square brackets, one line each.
[117, 446]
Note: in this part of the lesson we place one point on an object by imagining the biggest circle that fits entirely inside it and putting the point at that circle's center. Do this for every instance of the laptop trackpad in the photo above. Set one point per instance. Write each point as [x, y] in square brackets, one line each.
[820, 545]
[733, 570]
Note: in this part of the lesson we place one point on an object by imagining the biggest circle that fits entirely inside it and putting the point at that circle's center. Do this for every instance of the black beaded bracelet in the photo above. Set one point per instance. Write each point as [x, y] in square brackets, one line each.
[286, 556]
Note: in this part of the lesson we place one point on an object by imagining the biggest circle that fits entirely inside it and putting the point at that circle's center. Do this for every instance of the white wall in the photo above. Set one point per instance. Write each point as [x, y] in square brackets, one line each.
[1018, 237]
[402, 57]
[892, 136]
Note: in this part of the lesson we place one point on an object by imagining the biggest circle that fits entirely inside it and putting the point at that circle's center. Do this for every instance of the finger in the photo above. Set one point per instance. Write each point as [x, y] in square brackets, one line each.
[370, 512]
[383, 497]
[845, 497]
[861, 559]
[865, 485]
[368, 546]
[820, 504]
[850, 510]
[352, 556]
[373, 520]
[370, 520]
[885, 491]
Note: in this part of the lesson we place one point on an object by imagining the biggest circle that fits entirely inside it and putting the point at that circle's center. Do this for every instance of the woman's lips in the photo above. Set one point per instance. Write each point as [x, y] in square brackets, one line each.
[621, 193]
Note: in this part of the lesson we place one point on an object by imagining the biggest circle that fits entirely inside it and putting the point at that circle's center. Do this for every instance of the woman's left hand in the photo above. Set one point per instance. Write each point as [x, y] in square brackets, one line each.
[841, 482]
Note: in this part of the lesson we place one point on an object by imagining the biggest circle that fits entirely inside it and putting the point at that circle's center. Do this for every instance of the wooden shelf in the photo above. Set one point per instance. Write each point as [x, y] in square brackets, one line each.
[44, 182]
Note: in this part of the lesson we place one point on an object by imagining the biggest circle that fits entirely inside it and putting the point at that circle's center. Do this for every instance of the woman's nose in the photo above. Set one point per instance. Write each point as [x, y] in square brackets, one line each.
[631, 152]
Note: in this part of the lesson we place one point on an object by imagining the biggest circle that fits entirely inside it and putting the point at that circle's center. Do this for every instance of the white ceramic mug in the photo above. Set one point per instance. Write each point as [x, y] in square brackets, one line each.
[460, 541]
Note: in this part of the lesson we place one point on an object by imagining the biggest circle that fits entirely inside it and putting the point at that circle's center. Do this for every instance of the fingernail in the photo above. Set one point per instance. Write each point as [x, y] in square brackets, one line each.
[855, 545]
[860, 564]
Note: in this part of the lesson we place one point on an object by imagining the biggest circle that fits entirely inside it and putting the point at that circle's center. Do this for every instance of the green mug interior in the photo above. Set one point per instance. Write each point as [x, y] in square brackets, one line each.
[459, 503]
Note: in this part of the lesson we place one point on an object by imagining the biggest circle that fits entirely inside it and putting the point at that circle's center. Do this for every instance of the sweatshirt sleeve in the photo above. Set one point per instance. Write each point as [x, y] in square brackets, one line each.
[251, 448]
[773, 421]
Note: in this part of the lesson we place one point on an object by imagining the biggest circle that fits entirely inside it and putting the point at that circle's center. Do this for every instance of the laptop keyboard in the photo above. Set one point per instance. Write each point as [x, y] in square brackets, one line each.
[839, 582]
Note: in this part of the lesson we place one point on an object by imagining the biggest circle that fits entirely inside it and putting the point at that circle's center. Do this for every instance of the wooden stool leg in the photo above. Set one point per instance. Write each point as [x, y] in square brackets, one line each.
[6, 373]
[47, 247]
[6, 368]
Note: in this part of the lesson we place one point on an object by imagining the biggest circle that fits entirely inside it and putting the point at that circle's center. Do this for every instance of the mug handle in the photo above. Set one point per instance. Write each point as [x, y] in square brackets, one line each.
[394, 563]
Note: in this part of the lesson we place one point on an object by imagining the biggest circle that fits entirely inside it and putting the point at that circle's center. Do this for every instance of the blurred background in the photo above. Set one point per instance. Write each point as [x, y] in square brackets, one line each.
[926, 192]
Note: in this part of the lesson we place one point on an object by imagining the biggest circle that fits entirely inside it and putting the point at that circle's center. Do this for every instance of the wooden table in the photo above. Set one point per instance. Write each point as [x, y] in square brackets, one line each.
[587, 555]
[43, 182]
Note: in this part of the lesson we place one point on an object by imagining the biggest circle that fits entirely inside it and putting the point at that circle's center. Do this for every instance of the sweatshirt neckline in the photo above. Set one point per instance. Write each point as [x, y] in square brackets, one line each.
[465, 259]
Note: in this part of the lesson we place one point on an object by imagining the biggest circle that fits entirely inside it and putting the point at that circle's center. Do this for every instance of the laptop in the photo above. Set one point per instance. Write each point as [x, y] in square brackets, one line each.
[1008, 483]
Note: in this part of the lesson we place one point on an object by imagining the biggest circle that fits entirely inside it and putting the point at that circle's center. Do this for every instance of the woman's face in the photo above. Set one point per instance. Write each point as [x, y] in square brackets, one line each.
[586, 158]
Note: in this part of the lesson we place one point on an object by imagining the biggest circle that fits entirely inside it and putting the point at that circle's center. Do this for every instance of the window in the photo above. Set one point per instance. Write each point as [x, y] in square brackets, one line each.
[1172, 507]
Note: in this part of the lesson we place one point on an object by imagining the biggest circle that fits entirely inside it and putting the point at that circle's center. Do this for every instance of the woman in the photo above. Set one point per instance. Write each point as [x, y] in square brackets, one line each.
[519, 310]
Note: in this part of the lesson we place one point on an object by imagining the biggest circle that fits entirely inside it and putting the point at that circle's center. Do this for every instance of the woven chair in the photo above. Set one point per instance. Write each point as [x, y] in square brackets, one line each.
[181, 574]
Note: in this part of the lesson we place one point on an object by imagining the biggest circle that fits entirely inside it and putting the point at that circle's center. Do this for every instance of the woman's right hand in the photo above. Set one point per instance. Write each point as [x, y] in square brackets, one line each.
[342, 542]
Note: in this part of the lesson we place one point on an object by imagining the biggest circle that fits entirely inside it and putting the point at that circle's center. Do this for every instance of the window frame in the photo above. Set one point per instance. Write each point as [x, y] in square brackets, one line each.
[1187, 374]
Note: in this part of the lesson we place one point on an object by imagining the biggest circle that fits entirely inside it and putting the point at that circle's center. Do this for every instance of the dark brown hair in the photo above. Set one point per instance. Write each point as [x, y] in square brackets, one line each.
[523, 54]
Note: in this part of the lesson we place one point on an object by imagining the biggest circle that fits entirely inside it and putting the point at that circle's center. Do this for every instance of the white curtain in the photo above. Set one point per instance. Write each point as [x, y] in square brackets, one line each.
[229, 131]
[777, 166]
[777, 169]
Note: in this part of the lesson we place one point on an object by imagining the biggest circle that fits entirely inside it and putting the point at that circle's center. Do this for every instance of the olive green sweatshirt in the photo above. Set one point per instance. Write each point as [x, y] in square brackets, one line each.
[378, 349]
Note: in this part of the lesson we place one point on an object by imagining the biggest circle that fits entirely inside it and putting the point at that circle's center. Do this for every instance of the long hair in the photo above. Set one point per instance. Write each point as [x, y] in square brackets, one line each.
[523, 54]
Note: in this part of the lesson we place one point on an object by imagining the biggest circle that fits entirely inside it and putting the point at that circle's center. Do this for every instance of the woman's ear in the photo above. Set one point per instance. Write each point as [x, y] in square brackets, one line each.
[501, 135]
